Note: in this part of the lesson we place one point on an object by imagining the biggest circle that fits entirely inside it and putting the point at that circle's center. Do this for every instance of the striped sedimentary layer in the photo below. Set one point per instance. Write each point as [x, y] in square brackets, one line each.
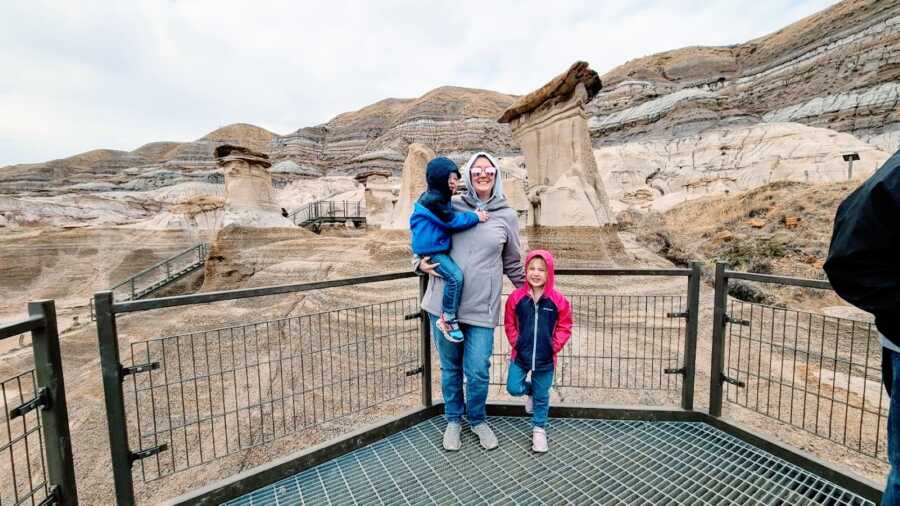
[452, 121]
[838, 69]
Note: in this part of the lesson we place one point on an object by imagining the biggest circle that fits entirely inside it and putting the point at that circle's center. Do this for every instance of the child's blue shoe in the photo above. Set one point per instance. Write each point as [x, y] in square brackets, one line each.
[450, 329]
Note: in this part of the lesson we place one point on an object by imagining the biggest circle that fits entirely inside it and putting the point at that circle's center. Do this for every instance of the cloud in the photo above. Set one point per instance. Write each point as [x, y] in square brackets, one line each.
[91, 74]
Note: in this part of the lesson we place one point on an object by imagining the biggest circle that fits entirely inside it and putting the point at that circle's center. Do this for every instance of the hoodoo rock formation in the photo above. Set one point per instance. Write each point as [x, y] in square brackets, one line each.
[564, 185]
[550, 124]
[379, 195]
[412, 184]
[249, 199]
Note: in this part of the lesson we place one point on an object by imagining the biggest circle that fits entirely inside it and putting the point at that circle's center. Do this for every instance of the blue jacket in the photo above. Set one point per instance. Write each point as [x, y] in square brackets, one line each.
[430, 235]
[537, 331]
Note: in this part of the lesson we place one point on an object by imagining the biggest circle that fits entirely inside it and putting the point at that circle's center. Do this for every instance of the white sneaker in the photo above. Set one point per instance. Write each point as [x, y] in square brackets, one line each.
[451, 437]
[486, 436]
[529, 404]
[539, 440]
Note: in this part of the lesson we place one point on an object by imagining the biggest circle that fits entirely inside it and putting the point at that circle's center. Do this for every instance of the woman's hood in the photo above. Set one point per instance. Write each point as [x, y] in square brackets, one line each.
[548, 259]
[498, 179]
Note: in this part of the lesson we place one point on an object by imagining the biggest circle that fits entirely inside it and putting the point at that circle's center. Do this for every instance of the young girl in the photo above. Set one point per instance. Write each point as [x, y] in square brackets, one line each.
[538, 324]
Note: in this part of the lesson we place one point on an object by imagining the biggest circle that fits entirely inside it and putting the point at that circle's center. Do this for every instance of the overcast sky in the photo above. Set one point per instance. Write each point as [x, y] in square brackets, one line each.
[81, 75]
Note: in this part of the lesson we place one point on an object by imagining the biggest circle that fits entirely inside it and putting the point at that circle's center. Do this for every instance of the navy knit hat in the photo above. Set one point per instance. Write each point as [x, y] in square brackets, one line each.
[437, 174]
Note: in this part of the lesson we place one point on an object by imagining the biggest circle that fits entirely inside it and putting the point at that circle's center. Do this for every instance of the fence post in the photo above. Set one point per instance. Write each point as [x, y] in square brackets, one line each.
[425, 334]
[111, 368]
[690, 339]
[54, 417]
[718, 341]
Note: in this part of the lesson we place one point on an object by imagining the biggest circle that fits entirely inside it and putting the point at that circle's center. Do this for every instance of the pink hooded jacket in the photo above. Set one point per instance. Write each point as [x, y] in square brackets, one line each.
[537, 330]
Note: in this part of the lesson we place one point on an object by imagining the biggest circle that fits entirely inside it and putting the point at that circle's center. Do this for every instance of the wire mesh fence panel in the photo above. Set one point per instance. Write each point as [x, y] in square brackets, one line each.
[818, 373]
[222, 391]
[623, 342]
[23, 467]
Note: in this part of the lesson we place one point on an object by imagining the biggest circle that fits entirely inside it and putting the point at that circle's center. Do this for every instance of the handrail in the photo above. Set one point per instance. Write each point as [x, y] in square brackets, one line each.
[33, 322]
[158, 264]
[243, 293]
[781, 280]
[334, 204]
[623, 272]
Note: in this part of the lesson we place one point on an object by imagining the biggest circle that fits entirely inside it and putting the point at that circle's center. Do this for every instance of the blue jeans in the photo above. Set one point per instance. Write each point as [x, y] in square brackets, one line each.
[538, 388]
[471, 358]
[890, 375]
[453, 284]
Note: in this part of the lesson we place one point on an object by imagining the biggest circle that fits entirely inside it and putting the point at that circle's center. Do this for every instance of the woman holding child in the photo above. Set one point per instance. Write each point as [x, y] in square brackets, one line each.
[483, 253]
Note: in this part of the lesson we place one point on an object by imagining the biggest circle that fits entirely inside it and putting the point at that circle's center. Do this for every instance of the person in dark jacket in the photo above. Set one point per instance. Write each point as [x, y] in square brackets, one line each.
[863, 267]
[431, 224]
[538, 323]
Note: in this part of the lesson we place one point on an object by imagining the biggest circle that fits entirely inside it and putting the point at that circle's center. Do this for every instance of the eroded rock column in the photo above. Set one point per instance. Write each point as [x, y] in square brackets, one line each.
[412, 184]
[568, 200]
[249, 199]
[380, 196]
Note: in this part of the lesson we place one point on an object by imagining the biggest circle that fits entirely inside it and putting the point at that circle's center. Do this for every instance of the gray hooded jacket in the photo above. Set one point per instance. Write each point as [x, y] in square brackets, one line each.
[484, 253]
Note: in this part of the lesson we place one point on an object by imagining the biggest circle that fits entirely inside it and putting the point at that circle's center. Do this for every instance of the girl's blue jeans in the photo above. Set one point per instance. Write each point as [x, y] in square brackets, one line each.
[538, 388]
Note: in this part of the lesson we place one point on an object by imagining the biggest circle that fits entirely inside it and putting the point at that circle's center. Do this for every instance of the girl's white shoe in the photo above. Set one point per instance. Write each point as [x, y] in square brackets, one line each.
[539, 440]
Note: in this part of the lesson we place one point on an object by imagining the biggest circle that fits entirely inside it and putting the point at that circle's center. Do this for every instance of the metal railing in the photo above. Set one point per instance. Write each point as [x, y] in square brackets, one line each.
[159, 274]
[638, 343]
[327, 211]
[214, 393]
[817, 373]
[35, 446]
[182, 401]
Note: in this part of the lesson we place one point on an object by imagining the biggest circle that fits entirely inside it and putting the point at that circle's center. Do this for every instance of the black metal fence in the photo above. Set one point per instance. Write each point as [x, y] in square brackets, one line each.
[637, 343]
[182, 401]
[35, 447]
[209, 394]
[818, 373]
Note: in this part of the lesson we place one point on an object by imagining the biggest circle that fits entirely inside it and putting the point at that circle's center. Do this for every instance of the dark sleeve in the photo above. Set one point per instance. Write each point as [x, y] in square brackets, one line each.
[862, 264]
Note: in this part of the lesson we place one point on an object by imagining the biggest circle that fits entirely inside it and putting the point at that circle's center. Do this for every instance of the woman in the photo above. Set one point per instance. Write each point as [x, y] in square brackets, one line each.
[483, 253]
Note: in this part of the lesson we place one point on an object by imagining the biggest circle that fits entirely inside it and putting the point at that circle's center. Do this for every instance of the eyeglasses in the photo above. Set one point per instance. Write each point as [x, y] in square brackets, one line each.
[479, 171]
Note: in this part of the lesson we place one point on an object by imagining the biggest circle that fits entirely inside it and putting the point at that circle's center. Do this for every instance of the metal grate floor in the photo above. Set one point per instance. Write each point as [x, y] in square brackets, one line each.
[590, 461]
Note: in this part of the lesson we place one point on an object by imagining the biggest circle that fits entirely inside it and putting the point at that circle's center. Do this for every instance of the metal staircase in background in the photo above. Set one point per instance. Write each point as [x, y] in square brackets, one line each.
[158, 275]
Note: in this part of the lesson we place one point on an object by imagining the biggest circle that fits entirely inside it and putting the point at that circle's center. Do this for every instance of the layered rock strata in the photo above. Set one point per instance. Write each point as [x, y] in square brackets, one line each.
[663, 118]
[452, 121]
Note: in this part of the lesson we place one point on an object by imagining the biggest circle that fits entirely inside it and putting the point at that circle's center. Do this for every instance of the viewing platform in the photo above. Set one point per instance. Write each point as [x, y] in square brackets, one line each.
[336, 405]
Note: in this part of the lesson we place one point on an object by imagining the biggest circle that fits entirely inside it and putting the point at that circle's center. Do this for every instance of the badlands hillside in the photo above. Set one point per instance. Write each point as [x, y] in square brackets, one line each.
[703, 151]
[666, 128]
